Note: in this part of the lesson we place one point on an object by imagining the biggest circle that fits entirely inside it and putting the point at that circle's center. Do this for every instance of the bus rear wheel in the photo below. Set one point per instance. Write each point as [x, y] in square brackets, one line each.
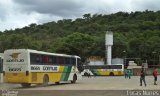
[45, 80]
[74, 79]
[111, 74]
[25, 85]
[57, 83]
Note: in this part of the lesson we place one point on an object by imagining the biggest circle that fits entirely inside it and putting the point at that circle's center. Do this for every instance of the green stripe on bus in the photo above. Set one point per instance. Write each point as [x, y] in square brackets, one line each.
[66, 72]
[98, 72]
[95, 71]
[63, 74]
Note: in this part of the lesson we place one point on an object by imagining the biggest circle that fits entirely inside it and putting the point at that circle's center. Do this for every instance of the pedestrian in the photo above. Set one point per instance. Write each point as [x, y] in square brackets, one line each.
[155, 74]
[142, 76]
[129, 73]
[125, 73]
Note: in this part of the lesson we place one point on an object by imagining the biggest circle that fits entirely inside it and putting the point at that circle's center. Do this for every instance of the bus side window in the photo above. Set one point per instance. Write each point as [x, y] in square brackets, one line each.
[33, 58]
[73, 61]
[50, 60]
[54, 60]
[39, 59]
[60, 60]
[67, 61]
[109, 67]
[45, 59]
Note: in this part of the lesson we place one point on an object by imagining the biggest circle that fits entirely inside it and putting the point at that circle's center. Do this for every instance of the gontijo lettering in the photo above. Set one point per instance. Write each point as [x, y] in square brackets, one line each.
[50, 68]
[15, 58]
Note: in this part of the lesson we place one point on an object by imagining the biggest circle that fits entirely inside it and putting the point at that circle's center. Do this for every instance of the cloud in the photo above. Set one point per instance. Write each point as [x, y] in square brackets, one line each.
[20, 13]
[140, 5]
[64, 8]
[73, 8]
[5, 7]
[13, 15]
[20, 20]
[70, 8]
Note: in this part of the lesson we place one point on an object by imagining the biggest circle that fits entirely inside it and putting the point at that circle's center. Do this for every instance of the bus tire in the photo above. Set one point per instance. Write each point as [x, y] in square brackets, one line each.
[111, 74]
[45, 80]
[74, 78]
[25, 85]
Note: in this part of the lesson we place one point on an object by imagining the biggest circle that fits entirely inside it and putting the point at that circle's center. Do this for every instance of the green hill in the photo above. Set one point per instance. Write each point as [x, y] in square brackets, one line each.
[137, 33]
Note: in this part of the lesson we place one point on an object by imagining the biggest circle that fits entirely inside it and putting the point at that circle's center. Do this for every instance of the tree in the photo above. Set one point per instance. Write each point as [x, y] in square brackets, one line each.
[119, 45]
[137, 33]
[72, 44]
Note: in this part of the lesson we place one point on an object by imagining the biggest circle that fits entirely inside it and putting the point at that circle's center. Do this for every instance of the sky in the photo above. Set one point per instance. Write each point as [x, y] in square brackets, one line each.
[20, 13]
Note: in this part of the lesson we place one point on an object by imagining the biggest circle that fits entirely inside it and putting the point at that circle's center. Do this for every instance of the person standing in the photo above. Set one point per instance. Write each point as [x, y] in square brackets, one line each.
[142, 76]
[155, 74]
[129, 73]
[125, 73]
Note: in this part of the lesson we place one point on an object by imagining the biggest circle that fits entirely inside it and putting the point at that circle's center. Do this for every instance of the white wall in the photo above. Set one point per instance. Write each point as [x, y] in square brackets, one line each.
[117, 61]
[96, 62]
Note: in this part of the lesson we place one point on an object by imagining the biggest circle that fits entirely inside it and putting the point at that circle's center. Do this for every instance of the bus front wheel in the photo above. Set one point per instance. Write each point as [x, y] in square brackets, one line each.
[25, 85]
[74, 79]
[45, 80]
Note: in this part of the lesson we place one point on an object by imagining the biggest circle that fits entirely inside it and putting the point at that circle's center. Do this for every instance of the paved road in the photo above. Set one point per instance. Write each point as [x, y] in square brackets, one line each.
[87, 86]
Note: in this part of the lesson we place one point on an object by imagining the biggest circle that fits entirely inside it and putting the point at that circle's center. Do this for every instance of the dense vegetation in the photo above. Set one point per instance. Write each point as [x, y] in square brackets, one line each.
[136, 35]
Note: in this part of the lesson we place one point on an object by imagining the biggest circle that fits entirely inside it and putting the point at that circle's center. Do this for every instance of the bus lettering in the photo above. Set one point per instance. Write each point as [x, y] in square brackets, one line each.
[50, 68]
[55, 68]
[15, 60]
[35, 68]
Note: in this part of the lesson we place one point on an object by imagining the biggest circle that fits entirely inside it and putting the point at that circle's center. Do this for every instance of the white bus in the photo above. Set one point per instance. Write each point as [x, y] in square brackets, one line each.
[104, 70]
[26, 67]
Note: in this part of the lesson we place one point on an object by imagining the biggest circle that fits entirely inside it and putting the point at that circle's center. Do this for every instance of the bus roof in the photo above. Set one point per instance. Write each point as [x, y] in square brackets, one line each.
[42, 52]
[105, 65]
